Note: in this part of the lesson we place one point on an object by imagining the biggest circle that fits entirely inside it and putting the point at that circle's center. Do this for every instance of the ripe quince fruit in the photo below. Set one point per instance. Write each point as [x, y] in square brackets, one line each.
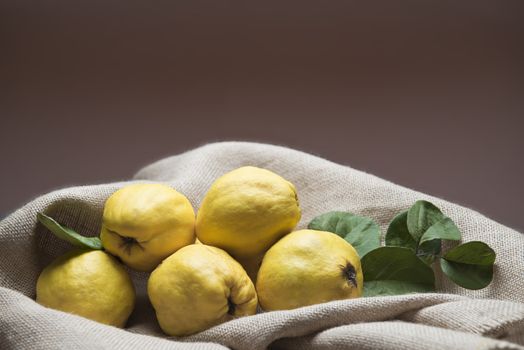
[198, 287]
[143, 224]
[245, 212]
[88, 283]
[308, 267]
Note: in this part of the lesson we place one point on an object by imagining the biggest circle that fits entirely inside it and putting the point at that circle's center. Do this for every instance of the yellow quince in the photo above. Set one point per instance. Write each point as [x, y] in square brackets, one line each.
[88, 283]
[198, 287]
[143, 224]
[245, 212]
[308, 267]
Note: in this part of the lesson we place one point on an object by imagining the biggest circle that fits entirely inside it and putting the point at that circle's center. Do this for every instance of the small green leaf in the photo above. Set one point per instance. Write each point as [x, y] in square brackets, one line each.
[398, 235]
[466, 275]
[421, 216]
[429, 251]
[430, 242]
[475, 252]
[392, 287]
[361, 232]
[328, 221]
[395, 270]
[469, 265]
[429, 246]
[443, 229]
[68, 234]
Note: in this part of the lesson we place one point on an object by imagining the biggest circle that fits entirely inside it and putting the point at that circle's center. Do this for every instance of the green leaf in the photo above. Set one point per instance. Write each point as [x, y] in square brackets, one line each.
[443, 229]
[430, 242]
[361, 232]
[466, 275]
[398, 235]
[429, 251]
[475, 252]
[328, 221]
[469, 265]
[395, 270]
[429, 246]
[392, 287]
[68, 234]
[421, 216]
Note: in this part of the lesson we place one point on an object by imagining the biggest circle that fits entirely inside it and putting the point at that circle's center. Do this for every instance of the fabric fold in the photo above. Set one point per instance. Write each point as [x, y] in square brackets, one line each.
[490, 318]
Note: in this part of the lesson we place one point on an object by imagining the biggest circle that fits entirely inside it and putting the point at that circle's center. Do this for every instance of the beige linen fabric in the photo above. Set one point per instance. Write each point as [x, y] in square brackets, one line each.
[453, 318]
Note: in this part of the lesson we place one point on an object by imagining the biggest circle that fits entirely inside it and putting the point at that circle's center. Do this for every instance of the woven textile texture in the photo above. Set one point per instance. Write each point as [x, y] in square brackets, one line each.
[452, 318]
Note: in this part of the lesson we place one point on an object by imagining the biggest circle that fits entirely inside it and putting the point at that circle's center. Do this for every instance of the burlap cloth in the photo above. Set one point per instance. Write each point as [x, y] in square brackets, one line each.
[454, 318]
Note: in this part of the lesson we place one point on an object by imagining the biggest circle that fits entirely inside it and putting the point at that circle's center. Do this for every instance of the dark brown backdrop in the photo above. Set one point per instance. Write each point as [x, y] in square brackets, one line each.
[428, 94]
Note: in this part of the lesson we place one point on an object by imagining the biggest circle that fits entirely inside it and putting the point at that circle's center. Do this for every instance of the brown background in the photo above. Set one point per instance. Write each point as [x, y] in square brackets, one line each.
[427, 94]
